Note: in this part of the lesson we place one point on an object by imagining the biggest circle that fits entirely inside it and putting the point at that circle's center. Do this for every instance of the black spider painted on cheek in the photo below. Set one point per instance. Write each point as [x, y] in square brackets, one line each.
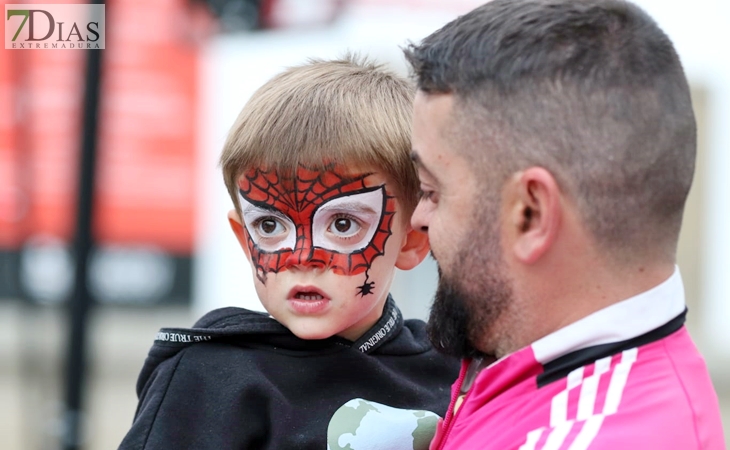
[368, 287]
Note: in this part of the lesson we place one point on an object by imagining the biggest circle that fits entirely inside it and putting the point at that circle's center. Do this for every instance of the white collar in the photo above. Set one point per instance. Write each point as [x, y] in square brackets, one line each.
[619, 322]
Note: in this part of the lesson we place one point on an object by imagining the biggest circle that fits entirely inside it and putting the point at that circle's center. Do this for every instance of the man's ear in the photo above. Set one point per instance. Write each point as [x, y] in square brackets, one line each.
[235, 220]
[535, 213]
[415, 247]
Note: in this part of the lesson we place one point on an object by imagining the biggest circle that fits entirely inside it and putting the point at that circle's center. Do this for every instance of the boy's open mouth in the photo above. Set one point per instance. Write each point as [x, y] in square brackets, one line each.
[310, 293]
[308, 296]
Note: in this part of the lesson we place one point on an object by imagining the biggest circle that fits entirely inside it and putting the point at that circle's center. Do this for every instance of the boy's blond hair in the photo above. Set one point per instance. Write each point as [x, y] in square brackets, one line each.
[347, 111]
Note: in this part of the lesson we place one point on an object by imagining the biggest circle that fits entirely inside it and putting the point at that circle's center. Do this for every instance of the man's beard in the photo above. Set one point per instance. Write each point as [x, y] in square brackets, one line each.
[472, 297]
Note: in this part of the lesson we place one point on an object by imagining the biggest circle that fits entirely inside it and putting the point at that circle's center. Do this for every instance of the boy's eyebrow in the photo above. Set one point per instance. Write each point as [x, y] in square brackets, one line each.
[350, 206]
[260, 206]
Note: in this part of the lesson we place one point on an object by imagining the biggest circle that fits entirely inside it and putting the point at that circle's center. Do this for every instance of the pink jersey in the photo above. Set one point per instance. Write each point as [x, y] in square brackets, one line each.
[626, 377]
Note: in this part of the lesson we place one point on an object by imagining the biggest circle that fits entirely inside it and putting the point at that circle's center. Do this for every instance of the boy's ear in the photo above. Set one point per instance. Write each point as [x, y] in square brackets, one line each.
[237, 227]
[415, 247]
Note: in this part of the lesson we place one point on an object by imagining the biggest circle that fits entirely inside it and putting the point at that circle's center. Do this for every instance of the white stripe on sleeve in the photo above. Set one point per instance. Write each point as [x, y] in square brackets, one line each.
[589, 389]
[532, 438]
[618, 381]
[587, 433]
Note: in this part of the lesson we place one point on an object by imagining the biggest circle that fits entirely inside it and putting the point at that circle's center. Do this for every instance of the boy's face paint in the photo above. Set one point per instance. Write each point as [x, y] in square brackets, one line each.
[323, 247]
[316, 219]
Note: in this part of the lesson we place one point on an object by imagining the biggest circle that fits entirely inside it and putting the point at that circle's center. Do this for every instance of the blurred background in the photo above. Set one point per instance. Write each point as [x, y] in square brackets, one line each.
[173, 77]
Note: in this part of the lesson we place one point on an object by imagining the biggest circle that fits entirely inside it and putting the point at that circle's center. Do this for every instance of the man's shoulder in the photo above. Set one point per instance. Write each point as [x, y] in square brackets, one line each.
[656, 395]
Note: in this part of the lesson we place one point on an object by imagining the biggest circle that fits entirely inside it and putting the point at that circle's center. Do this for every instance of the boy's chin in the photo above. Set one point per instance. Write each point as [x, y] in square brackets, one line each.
[309, 333]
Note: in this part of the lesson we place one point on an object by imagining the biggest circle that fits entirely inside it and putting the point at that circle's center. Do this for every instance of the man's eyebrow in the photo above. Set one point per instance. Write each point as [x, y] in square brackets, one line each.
[416, 158]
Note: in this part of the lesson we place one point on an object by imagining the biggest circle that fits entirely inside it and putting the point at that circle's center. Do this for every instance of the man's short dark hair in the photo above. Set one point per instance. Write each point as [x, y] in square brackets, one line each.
[592, 90]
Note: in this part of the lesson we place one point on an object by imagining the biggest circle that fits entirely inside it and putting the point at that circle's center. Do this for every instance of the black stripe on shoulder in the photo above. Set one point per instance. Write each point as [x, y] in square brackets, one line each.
[560, 368]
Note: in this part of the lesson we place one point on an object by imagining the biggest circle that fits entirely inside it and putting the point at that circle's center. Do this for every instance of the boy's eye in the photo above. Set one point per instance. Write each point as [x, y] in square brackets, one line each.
[270, 227]
[344, 227]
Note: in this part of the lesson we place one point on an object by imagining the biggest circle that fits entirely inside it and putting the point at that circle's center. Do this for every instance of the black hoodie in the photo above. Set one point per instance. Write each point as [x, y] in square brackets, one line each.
[241, 380]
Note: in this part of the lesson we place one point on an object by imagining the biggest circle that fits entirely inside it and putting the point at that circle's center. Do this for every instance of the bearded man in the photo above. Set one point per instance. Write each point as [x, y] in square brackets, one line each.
[555, 142]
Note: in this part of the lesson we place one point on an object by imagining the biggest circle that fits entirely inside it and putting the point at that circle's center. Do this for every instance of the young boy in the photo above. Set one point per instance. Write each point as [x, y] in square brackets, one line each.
[318, 168]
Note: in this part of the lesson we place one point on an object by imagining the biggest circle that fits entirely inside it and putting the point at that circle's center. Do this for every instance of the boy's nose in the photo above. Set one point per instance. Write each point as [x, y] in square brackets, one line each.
[302, 256]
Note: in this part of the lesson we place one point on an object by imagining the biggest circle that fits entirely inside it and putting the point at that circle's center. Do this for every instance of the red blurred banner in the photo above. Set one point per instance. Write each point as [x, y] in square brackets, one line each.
[148, 131]
[10, 210]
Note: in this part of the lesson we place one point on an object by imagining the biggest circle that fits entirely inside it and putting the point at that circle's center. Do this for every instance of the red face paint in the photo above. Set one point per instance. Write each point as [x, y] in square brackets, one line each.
[298, 198]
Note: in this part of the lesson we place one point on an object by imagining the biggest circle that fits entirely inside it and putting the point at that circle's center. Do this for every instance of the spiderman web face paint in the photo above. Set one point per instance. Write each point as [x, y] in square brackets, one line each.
[315, 219]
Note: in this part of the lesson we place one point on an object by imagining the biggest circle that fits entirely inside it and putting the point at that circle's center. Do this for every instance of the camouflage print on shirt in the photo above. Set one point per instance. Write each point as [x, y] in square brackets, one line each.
[363, 425]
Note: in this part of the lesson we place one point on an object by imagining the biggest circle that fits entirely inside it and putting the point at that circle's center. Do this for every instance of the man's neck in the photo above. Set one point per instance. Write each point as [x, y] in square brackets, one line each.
[559, 302]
